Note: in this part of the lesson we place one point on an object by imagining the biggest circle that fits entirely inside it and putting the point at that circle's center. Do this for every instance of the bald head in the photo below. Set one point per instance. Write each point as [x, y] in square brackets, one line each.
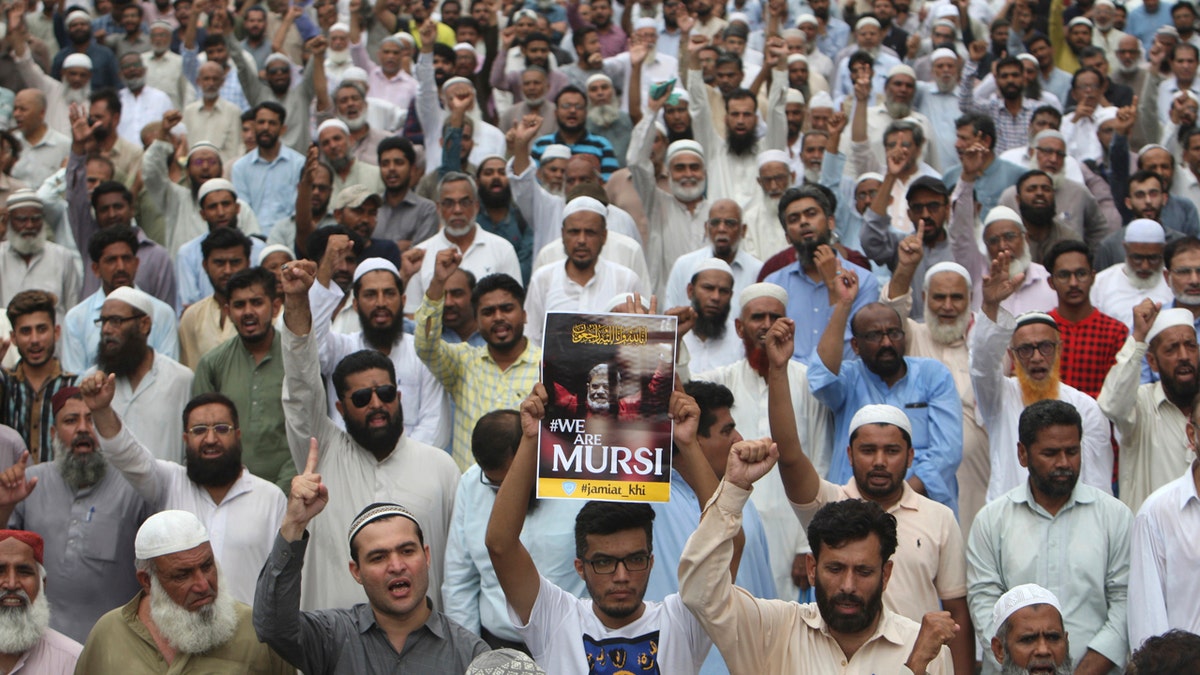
[727, 208]
[29, 111]
[582, 168]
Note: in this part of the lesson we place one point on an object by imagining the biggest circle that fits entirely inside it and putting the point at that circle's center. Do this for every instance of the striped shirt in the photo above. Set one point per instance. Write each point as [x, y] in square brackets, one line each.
[1011, 132]
[590, 144]
[471, 376]
[28, 411]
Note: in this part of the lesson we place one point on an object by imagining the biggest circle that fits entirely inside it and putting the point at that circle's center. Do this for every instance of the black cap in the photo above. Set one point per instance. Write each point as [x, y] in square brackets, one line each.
[927, 183]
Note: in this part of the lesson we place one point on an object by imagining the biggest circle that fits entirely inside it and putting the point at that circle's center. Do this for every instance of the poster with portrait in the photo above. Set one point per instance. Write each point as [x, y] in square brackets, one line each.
[606, 434]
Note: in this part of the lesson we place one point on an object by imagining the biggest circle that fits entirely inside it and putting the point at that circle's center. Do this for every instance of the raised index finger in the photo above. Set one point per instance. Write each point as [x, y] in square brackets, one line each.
[313, 456]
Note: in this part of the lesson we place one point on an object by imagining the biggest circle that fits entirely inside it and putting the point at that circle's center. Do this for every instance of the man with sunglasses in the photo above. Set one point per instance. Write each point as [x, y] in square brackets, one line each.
[240, 510]
[1034, 346]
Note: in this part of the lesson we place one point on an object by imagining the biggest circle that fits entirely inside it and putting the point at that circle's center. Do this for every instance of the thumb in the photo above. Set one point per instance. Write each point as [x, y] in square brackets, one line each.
[31, 484]
[313, 456]
[24, 459]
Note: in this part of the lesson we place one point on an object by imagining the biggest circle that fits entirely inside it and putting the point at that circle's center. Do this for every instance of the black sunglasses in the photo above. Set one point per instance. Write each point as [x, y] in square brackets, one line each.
[362, 397]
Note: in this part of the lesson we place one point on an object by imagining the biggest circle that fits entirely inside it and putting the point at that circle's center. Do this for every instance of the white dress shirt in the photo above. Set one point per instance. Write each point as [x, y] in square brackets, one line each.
[151, 412]
[487, 254]
[551, 290]
[40, 161]
[53, 270]
[745, 272]
[710, 354]
[1113, 294]
[138, 110]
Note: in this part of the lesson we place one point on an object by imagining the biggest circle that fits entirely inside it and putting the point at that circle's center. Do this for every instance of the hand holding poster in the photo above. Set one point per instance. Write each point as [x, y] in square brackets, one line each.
[607, 434]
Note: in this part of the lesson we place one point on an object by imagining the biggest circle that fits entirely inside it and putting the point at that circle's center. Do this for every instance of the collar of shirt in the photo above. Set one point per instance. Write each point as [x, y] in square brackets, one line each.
[19, 375]
[1082, 494]
[365, 618]
[1188, 493]
[885, 628]
[281, 157]
[532, 355]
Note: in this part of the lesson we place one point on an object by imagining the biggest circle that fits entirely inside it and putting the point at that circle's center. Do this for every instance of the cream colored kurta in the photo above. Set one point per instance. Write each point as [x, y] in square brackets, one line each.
[202, 327]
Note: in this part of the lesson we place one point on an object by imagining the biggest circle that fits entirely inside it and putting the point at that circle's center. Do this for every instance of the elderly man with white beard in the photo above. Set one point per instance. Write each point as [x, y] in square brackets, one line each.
[605, 117]
[351, 107]
[938, 102]
[75, 87]
[763, 237]
[164, 68]
[1120, 288]
[1002, 231]
[182, 620]
[27, 643]
[29, 262]
[88, 515]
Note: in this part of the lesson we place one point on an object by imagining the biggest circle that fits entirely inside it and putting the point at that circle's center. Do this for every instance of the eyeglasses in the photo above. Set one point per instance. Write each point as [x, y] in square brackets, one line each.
[1143, 259]
[726, 222]
[488, 482]
[23, 220]
[362, 397]
[634, 562]
[777, 178]
[1046, 348]
[201, 430]
[1051, 151]
[277, 71]
[926, 207]
[464, 203]
[118, 321]
[572, 106]
[1066, 275]
[876, 336]
[1007, 237]
[1185, 272]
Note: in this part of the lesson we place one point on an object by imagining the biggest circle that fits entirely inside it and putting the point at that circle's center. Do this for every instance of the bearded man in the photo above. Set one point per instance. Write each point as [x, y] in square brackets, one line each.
[76, 491]
[938, 102]
[710, 342]
[1028, 633]
[27, 643]
[183, 615]
[1080, 212]
[1120, 288]
[1033, 345]
[605, 117]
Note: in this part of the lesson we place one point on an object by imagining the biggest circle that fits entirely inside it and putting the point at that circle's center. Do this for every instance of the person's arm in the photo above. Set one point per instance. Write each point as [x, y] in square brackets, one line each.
[641, 169]
[1118, 158]
[498, 75]
[304, 218]
[699, 108]
[124, 452]
[189, 34]
[990, 336]
[879, 241]
[637, 56]
[909, 253]
[14, 489]
[439, 357]
[247, 72]
[1147, 580]
[289, 19]
[1109, 646]
[933, 470]
[801, 482]
[843, 289]
[970, 75]
[963, 243]
[776, 113]
[429, 111]
[515, 570]
[305, 406]
[1118, 395]
[452, 134]
[79, 204]
[315, 82]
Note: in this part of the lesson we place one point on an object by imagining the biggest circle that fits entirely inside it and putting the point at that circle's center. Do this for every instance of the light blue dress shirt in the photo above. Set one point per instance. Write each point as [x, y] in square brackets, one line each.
[999, 175]
[81, 339]
[928, 397]
[808, 305]
[837, 34]
[269, 187]
[231, 88]
[1142, 24]
[194, 285]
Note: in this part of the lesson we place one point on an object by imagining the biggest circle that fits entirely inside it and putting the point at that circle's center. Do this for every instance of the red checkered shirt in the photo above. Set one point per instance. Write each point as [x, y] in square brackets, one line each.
[1089, 349]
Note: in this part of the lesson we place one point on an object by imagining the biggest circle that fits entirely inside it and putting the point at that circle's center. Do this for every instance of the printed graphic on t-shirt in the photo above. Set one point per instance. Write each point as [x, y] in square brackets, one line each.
[622, 655]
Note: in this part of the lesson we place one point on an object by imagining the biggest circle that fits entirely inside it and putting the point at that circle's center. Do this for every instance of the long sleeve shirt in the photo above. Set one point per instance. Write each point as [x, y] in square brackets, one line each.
[1012, 131]
[81, 335]
[1164, 590]
[808, 305]
[777, 636]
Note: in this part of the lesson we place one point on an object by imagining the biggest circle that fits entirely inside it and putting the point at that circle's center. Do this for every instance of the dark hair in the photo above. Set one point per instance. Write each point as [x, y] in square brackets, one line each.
[1185, 45]
[109, 187]
[850, 520]
[981, 124]
[1176, 652]
[535, 36]
[805, 192]
[1090, 51]
[397, 143]
[1034, 38]
[223, 238]
[1010, 62]
[1185, 136]
[212, 40]
[741, 94]
[861, 57]
[105, 237]
[1032, 173]
[468, 21]
[395, 277]
[1180, 245]
[1184, 4]
[495, 438]
[14, 146]
[710, 396]
[257, 8]
[111, 101]
[1084, 71]
[364, 359]
[497, 282]
[31, 302]
[133, 5]
[569, 89]
[247, 116]
[726, 59]
[272, 106]
[252, 276]
[578, 37]
[609, 518]
[1064, 247]
[1142, 175]
[444, 52]
[1046, 110]
[319, 239]
[901, 126]
[1043, 415]
[209, 398]
[374, 505]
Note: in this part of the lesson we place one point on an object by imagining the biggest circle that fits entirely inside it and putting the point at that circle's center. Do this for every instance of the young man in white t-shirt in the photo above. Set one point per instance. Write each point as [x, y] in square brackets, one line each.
[616, 629]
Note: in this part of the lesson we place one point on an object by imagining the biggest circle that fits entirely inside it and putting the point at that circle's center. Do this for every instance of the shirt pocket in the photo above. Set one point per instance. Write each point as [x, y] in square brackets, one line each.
[100, 536]
[919, 418]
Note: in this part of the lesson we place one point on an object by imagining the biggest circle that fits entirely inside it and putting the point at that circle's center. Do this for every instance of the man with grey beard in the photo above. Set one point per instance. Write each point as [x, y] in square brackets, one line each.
[1029, 634]
[27, 643]
[29, 262]
[75, 86]
[605, 117]
[89, 517]
[140, 102]
[182, 617]
[1120, 288]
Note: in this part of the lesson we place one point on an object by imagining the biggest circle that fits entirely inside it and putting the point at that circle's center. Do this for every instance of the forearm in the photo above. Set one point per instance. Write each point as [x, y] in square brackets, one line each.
[277, 603]
[833, 343]
[800, 479]
[1118, 395]
[297, 314]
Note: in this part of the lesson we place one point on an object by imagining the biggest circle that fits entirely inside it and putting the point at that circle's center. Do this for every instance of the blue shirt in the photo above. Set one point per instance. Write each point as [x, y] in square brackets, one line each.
[81, 338]
[194, 285]
[1142, 24]
[231, 88]
[808, 305]
[837, 34]
[269, 187]
[999, 175]
[590, 143]
[926, 394]
[104, 65]
[674, 522]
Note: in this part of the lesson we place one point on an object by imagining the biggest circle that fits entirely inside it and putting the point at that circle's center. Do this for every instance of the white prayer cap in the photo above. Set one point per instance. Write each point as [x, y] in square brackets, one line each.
[867, 21]
[681, 94]
[794, 96]
[1148, 147]
[821, 99]
[807, 18]
[1144, 231]
[945, 11]
[458, 80]
[1081, 21]
[762, 290]
[168, 532]
[378, 511]
[584, 203]
[78, 15]
[597, 78]
[870, 175]
[354, 74]
[487, 158]
[214, 185]
[946, 23]
[1030, 318]
[405, 39]
[465, 47]
[1106, 3]
[339, 27]
[685, 146]
[660, 127]
[77, 61]
[272, 249]
[1169, 318]
[736, 16]
[23, 197]
[1049, 133]
[1168, 30]
[334, 123]
[277, 56]
[1020, 597]
[353, 197]
[131, 296]
[202, 145]
[712, 264]
[619, 300]
[1027, 57]
[942, 53]
[947, 266]
[1003, 213]
[374, 265]
[162, 23]
[504, 662]
[880, 414]
[646, 22]
[796, 58]
[555, 151]
[767, 156]
[901, 69]
[1105, 114]
[525, 14]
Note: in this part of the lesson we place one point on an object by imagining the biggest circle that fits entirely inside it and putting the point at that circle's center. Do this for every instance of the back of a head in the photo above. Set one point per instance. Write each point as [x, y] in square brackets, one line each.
[495, 438]
[1176, 652]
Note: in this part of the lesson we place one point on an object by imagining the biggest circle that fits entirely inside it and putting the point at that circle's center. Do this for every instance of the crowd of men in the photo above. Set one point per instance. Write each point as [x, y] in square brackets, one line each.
[276, 279]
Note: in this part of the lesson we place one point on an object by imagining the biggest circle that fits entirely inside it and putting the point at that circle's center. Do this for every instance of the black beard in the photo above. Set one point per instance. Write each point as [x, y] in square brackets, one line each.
[80, 38]
[381, 338]
[265, 141]
[218, 472]
[1053, 488]
[889, 369]
[1033, 90]
[841, 623]
[806, 249]
[740, 144]
[685, 135]
[281, 90]
[1177, 391]
[101, 134]
[578, 128]
[499, 200]
[822, 14]
[710, 327]
[378, 442]
[124, 360]
[1011, 93]
[1038, 216]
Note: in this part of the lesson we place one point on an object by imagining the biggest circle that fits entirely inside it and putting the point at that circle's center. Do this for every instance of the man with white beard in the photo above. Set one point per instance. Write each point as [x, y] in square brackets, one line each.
[213, 119]
[337, 55]
[605, 117]
[1129, 68]
[181, 620]
[164, 68]
[140, 102]
[938, 102]
[27, 643]
[75, 87]
[763, 236]
[28, 261]
[351, 107]
[381, 113]
[1121, 287]
[1106, 36]
[1003, 231]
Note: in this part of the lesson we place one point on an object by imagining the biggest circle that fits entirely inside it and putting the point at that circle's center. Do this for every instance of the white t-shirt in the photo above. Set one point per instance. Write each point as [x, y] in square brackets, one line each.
[567, 638]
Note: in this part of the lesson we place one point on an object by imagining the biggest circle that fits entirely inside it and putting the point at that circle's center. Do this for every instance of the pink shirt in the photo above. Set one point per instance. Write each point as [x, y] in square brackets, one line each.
[54, 654]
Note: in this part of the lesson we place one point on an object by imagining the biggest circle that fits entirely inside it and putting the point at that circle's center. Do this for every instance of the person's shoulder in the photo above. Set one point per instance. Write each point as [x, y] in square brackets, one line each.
[431, 458]
[1166, 502]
